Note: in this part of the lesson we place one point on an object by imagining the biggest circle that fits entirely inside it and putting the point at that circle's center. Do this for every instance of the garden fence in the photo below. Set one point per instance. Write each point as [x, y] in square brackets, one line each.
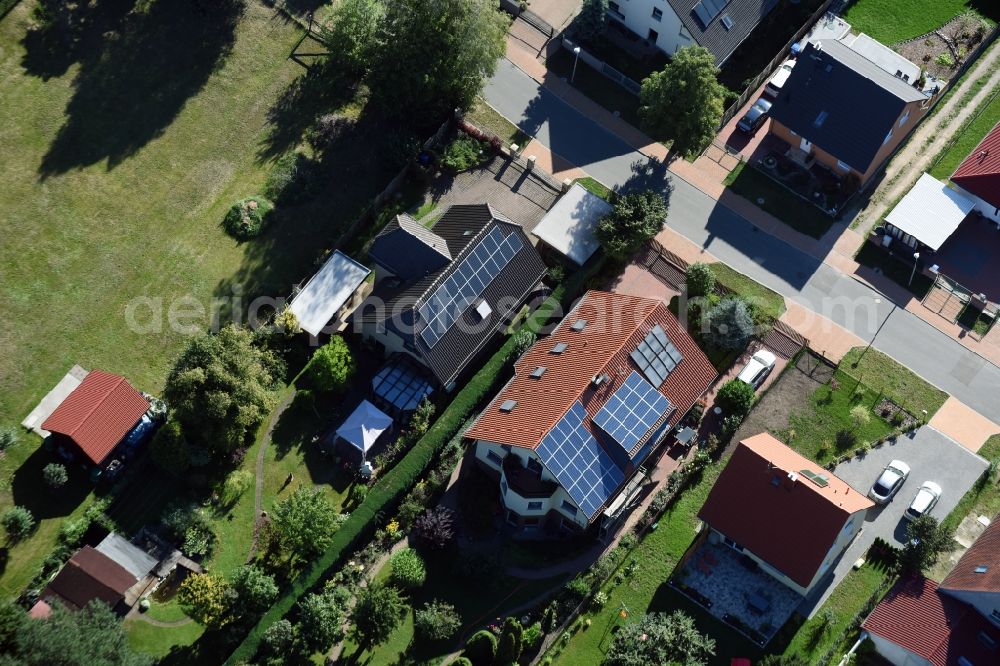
[604, 68]
[773, 65]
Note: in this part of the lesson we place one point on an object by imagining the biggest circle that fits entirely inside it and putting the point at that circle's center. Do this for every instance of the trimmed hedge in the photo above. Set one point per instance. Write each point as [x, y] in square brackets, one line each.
[398, 480]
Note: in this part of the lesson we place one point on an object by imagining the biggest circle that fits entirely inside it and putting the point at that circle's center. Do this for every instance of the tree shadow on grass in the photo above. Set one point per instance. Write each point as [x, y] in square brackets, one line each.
[138, 67]
[30, 490]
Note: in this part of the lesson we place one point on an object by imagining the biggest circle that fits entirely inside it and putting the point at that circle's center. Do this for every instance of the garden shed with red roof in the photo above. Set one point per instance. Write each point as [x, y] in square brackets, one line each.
[96, 416]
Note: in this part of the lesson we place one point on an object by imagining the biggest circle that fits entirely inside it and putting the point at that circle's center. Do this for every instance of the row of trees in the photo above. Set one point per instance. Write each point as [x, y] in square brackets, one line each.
[419, 60]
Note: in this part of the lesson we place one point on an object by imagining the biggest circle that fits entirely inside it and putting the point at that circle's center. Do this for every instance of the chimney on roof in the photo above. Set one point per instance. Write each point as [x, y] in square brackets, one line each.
[983, 154]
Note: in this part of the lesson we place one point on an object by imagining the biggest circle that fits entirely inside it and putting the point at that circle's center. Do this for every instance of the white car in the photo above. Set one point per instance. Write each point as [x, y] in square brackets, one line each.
[758, 368]
[776, 82]
[924, 501]
[890, 481]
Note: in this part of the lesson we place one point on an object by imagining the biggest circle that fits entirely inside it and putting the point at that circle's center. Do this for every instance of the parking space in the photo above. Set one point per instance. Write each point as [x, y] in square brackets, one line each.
[932, 457]
[740, 141]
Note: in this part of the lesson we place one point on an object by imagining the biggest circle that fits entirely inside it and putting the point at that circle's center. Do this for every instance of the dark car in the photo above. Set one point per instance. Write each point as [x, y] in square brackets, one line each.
[754, 117]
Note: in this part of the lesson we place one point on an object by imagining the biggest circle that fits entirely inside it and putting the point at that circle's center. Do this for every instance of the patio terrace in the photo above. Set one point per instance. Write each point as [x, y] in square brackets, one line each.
[733, 588]
[800, 173]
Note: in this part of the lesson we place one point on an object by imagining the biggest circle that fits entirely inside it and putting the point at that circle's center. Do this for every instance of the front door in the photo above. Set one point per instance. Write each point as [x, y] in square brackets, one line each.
[653, 36]
[805, 145]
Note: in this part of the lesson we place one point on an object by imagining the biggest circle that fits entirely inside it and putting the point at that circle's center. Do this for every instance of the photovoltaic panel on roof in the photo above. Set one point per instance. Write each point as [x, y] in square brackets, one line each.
[706, 10]
[656, 356]
[466, 283]
[583, 468]
[632, 411]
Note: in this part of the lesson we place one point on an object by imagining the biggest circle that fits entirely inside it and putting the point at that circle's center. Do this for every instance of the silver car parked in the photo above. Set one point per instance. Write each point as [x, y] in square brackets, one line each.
[889, 482]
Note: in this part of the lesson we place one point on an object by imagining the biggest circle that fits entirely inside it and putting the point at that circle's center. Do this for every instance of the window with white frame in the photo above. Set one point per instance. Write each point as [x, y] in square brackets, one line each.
[657, 14]
[534, 506]
[494, 458]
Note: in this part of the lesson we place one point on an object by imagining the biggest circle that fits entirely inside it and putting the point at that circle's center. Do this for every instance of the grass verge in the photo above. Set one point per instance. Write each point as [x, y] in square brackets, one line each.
[779, 201]
[766, 302]
[594, 187]
[484, 116]
[900, 384]
[967, 138]
[984, 497]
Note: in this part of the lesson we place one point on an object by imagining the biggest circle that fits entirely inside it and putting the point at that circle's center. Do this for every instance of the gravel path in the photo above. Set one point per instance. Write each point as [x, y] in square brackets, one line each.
[929, 139]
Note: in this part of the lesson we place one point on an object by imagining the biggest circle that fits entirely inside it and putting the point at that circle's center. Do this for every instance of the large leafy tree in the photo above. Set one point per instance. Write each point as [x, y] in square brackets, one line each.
[659, 638]
[380, 609]
[635, 218]
[332, 366]
[89, 637]
[222, 388]
[925, 541]
[255, 590]
[431, 57]
[305, 522]
[321, 618]
[351, 31]
[684, 102]
[204, 598]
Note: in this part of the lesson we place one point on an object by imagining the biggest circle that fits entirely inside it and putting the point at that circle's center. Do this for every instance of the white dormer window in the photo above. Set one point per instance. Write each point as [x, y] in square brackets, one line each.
[484, 309]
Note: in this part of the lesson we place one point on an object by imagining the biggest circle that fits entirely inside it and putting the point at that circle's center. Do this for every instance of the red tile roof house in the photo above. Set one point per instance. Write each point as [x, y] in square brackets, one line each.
[785, 512]
[586, 407]
[978, 176]
[92, 421]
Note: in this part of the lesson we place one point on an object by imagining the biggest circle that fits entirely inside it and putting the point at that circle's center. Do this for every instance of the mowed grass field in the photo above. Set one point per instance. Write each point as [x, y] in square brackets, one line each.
[891, 21]
[121, 153]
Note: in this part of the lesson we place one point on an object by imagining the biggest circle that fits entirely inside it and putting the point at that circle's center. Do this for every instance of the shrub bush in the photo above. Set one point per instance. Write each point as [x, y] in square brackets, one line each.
[408, 570]
[700, 280]
[735, 397]
[481, 648]
[462, 153]
[327, 129]
[435, 529]
[17, 523]
[245, 219]
[332, 366]
[293, 179]
[436, 621]
[55, 475]
[532, 636]
[8, 437]
[728, 325]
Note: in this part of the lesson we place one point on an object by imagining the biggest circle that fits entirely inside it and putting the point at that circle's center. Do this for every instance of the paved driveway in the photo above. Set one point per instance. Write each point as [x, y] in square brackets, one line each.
[931, 457]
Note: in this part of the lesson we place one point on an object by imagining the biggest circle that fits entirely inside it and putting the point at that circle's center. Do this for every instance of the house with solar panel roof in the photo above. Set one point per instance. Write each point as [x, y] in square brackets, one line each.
[568, 436]
[441, 295]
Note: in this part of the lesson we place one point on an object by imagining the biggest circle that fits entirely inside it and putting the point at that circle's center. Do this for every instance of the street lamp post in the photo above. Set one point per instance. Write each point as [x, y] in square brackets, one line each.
[878, 301]
[576, 52]
[916, 258]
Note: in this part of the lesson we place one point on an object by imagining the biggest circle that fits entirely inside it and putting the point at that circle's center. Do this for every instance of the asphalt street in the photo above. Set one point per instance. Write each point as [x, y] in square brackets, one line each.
[734, 240]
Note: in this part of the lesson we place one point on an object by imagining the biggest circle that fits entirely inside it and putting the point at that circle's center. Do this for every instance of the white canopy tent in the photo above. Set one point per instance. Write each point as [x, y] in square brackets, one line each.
[930, 212]
[363, 427]
[327, 291]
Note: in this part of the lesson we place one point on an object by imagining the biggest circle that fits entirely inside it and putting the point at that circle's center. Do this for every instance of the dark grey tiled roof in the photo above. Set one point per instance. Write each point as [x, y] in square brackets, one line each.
[409, 249]
[461, 227]
[745, 15]
[861, 102]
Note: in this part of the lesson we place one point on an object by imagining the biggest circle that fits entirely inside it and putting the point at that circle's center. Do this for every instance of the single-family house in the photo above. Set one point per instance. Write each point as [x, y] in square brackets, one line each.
[442, 294]
[975, 580]
[920, 624]
[718, 25]
[783, 511]
[978, 176]
[99, 419]
[586, 408]
[841, 110]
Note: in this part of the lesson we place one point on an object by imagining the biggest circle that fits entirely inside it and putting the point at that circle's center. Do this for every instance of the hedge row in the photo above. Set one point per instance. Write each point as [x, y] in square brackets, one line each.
[384, 496]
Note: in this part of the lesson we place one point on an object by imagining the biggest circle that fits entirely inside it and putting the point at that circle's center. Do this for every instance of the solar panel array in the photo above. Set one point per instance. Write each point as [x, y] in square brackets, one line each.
[583, 468]
[632, 411]
[466, 283]
[706, 10]
[656, 356]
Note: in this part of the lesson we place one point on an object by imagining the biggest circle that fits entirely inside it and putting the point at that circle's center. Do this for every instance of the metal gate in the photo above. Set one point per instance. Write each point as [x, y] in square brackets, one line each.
[947, 298]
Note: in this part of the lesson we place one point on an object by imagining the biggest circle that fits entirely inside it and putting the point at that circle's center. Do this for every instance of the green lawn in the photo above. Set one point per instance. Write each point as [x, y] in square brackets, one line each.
[779, 201]
[967, 138]
[483, 116]
[477, 609]
[896, 269]
[165, 611]
[158, 641]
[813, 432]
[595, 187]
[982, 498]
[891, 21]
[766, 301]
[902, 385]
